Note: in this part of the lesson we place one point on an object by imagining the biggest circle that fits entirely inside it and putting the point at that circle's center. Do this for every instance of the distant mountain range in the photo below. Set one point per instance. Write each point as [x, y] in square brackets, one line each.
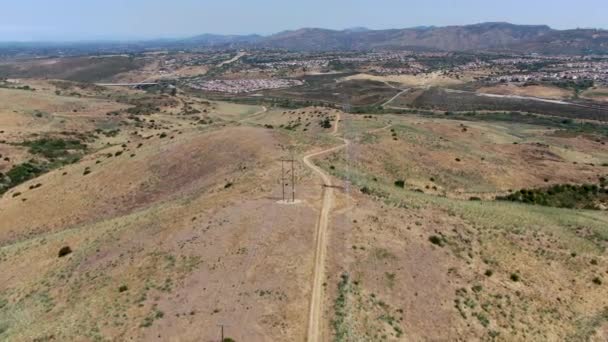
[494, 37]
[479, 37]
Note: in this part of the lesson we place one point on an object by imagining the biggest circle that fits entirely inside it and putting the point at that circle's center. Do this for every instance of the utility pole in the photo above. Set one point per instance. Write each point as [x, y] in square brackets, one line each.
[221, 325]
[284, 179]
[293, 183]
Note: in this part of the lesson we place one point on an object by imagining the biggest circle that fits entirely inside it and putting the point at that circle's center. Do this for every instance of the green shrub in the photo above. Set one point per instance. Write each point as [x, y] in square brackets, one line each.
[65, 250]
[400, 183]
[325, 123]
[3, 327]
[52, 148]
[23, 172]
[482, 318]
[561, 195]
[436, 240]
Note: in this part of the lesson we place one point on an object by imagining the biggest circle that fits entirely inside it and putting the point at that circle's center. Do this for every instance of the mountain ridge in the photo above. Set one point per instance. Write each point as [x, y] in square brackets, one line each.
[495, 37]
[487, 36]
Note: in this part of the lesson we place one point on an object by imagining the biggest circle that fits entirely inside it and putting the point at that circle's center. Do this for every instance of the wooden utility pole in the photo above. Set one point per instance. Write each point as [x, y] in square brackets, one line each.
[284, 179]
[293, 183]
[221, 325]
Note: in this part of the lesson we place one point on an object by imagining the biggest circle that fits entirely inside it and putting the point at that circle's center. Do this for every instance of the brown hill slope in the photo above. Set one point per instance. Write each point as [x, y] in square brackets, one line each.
[137, 178]
[80, 69]
[182, 236]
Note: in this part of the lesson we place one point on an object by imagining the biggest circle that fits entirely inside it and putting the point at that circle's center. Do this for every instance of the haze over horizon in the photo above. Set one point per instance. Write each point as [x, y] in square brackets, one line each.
[73, 20]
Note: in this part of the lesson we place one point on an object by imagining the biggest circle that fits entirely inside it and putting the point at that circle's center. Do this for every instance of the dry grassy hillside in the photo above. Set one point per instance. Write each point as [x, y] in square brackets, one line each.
[167, 223]
[424, 263]
[168, 239]
[414, 264]
[164, 221]
[81, 69]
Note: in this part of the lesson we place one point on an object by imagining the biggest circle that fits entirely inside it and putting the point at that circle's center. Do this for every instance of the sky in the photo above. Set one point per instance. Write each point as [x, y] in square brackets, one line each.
[72, 20]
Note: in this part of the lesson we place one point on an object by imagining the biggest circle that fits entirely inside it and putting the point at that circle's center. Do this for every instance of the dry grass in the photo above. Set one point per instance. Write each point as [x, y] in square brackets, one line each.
[421, 80]
[471, 158]
[596, 94]
[25, 113]
[163, 248]
[191, 252]
[548, 92]
[549, 249]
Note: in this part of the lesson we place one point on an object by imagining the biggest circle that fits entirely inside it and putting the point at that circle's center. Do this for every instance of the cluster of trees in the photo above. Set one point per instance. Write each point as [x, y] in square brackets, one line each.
[53, 148]
[339, 65]
[20, 173]
[325, 123]
[586, 196]
[577, 85]
[53, 153]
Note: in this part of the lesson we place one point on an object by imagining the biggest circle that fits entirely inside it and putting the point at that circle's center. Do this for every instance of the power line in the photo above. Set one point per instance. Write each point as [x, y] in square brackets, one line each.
[284, 179]
[222, 325]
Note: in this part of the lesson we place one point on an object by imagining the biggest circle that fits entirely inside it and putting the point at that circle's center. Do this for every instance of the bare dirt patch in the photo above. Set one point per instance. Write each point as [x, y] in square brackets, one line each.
[531, 90]
[596, 94]
[421, 80]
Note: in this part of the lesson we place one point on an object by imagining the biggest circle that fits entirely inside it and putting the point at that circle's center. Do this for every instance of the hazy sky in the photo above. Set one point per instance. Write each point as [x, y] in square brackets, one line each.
[26, 20]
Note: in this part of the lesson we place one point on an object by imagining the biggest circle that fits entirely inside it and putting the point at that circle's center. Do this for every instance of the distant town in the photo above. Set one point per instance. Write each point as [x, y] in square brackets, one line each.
[243, 85]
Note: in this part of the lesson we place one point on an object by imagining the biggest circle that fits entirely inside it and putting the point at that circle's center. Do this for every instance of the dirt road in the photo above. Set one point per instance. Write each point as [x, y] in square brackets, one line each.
[233, 59]
[530, 98]
[316, 303]
[260, 112]
[394, 97]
